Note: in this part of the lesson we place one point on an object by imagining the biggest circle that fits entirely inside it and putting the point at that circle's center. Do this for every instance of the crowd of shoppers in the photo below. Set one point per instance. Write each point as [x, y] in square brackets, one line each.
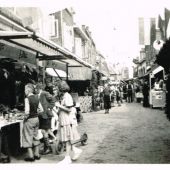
[40, 107]
[47, 106]
[131, 91]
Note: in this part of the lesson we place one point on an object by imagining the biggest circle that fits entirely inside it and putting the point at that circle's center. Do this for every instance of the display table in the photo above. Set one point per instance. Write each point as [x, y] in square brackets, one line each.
[7, 129]
[157, 98]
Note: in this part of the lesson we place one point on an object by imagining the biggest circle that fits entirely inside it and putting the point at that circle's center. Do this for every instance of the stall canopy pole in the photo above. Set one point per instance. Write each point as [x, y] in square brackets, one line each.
[37, 65]
[44, 68]
[163, 74]
[67, 71]
[57, 74]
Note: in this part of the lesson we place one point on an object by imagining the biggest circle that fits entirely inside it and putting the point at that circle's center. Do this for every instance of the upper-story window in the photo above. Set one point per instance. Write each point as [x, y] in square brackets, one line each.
[54, 27]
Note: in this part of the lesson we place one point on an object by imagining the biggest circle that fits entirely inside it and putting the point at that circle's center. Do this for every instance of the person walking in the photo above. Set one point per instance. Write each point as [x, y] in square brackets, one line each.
[31, 125]
[107, 98]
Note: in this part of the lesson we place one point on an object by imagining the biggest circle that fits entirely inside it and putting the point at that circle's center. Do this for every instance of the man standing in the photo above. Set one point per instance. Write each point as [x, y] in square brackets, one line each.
[106, 98]
[145, 91]
[130, 92]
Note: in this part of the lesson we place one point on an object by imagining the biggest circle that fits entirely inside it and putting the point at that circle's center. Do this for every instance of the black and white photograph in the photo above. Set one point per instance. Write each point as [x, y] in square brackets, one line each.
[84, 82]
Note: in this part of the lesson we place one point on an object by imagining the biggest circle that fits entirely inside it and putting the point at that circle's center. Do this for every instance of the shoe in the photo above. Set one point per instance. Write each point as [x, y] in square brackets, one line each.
[47, 151]
[77, 153]
[52, 140]
[66, 160]
[5, 159]
[29, 159]
[37, 157]
[84, 143]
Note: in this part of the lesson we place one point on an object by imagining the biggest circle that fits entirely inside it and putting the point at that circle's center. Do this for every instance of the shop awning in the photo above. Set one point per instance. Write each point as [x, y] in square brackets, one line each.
[56, 73]
[157, 70]
[45, 49]
[78, 73]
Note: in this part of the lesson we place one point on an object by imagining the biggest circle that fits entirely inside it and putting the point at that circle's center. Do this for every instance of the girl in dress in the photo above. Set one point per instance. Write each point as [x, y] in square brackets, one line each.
[68, 124]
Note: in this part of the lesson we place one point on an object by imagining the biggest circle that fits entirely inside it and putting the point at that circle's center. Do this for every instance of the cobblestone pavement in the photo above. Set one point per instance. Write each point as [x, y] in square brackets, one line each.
[128, 134]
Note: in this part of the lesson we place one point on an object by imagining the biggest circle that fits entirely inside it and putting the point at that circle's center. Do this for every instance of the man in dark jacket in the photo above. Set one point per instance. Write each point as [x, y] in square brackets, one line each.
[106, 98]
[130, 92]
[145, 91]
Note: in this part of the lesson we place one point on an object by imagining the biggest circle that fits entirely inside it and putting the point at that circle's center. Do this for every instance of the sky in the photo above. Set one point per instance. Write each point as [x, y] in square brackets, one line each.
[113, 23]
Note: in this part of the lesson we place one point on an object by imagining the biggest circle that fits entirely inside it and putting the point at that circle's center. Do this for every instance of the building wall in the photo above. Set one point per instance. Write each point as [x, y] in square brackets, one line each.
[152, 30]
[56, 27]
[147, 27]
[125, 73]
[78, 45]
[15, 23]
[64, 24]
[68, 32]
[34, 20]
[147, 36]
[90, 49]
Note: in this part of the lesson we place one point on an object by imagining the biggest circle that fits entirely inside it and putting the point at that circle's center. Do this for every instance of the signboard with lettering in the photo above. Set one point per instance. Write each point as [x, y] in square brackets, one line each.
[17, 54]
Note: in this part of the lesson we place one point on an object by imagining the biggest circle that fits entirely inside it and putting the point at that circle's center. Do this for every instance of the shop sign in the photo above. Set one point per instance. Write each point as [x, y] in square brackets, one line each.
[17, 54]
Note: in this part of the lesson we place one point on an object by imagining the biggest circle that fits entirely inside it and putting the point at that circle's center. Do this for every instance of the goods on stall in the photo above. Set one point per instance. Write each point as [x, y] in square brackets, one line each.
[158, 98]
[85, 103]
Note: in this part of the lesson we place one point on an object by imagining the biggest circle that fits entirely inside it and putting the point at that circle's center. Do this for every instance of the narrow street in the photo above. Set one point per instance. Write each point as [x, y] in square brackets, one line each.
[128, 134]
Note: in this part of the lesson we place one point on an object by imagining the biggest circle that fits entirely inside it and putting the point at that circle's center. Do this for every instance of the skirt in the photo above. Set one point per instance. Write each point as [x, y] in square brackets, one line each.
[69, 133]
[30, 133]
